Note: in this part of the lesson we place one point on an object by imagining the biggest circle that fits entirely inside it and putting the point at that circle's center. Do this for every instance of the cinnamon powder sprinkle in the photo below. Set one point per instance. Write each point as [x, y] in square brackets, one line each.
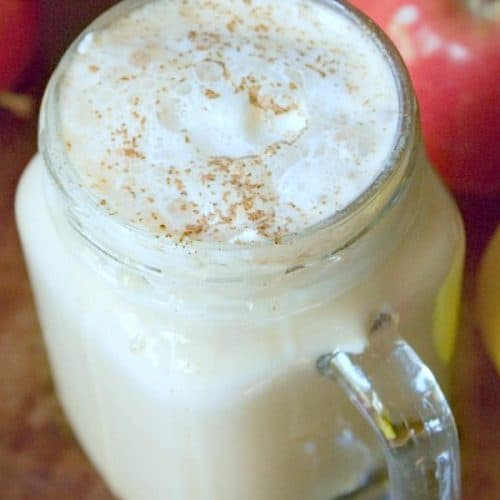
[133, 153]
[318, 70]
[231, 26]
[233, 193]
[211, 94]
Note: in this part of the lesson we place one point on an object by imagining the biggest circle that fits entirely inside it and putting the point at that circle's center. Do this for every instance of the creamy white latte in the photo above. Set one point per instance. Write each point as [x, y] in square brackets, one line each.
[228, 121]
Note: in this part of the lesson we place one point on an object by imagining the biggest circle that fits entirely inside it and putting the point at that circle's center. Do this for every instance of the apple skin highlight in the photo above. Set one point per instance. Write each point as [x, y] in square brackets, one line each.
[452, 50]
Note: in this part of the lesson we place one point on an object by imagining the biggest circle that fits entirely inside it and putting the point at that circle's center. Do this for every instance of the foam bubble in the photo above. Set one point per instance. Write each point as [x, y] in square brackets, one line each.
[227, 121]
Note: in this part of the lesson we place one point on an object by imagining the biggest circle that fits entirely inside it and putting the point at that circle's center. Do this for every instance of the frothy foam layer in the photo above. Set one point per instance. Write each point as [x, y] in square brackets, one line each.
[229, 121]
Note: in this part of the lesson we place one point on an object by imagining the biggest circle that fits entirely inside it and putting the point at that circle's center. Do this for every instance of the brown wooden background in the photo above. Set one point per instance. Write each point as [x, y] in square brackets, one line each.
[39, 458]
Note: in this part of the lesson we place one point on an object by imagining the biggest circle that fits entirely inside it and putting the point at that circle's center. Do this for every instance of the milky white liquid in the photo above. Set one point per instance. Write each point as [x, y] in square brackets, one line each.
[181, 390]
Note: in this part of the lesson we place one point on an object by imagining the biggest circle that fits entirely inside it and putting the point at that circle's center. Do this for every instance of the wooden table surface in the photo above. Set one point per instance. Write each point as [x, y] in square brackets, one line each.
[39, 457]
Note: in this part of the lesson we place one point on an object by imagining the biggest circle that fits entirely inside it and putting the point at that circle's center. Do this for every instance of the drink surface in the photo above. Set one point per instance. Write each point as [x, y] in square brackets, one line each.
[228, 121]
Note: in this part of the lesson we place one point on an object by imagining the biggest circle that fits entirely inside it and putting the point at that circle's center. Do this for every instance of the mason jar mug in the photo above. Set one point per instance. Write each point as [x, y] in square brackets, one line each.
[282, 370]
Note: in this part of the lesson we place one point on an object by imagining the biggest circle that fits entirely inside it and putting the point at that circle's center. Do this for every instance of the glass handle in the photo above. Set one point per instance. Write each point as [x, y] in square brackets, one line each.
[401, 399]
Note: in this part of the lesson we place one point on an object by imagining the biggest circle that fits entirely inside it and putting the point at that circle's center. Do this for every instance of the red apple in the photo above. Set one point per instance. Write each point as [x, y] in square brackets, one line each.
[452, 50]
[19, 22]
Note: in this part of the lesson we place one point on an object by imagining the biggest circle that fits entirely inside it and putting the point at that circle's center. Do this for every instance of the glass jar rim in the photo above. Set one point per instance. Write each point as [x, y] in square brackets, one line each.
[360, 215]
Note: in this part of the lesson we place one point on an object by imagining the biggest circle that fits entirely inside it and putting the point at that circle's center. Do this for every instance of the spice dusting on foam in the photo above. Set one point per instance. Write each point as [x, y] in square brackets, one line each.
[228, 121]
